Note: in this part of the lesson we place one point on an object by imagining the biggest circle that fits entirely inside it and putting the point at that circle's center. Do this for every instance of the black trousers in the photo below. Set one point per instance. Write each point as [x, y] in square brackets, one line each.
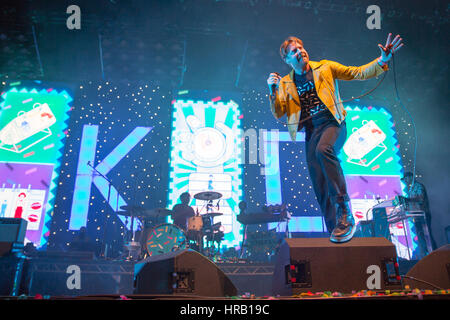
[324, 140]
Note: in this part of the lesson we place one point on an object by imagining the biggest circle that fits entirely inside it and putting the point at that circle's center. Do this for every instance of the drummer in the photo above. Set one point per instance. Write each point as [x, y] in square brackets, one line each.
[182, 211]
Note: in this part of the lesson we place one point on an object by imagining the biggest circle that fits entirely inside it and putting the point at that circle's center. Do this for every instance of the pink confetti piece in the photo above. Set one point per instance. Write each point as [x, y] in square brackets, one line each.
[30, 171]
[389, 159]
[355, 117]
[49, 89]
[376, 167]
[173, 101]
[216, 99]
[382, 182]
[28, 154]
[370, 107]
[7, 107]
[241, 116]
[49, 146]
[354, 195]
[27, 100]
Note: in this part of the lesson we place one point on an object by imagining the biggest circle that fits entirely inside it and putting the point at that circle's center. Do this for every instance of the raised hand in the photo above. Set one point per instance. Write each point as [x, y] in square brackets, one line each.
[390, 47]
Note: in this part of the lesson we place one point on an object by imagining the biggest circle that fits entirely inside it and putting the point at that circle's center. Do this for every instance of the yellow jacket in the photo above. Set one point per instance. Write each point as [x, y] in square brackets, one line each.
[325, 73]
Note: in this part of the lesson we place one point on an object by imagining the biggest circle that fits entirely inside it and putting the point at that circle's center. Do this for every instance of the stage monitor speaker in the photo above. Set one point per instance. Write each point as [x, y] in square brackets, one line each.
[184, 272]
[12, 234]
[76, 277]
[11, 275]
[431, 272]
[317, 264]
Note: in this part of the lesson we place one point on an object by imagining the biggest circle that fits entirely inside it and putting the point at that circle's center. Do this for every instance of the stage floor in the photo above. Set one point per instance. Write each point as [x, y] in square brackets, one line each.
[46, 279]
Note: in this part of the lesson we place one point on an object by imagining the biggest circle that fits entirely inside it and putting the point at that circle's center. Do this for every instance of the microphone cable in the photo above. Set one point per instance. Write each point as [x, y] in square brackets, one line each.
[343, 101]
[365, 94]
[412, 121]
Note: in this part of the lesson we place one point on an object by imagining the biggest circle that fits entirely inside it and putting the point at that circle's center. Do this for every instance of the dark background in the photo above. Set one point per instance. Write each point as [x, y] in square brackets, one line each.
[233, 46]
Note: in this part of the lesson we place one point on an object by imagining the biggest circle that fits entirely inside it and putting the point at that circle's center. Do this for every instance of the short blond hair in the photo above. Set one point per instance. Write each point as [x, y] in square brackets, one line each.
[286, 44]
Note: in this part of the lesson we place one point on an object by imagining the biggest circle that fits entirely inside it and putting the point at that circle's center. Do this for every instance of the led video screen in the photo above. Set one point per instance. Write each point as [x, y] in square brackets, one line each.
[33, 123]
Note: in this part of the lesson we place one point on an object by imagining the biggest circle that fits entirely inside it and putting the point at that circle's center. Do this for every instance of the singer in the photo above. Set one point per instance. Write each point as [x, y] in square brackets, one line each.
[309, 97]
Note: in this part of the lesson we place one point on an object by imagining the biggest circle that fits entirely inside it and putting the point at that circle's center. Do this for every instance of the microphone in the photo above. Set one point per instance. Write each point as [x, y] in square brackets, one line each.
[273, 87]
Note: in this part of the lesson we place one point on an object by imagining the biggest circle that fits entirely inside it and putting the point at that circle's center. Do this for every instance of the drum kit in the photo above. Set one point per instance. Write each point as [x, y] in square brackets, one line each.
[158, 237]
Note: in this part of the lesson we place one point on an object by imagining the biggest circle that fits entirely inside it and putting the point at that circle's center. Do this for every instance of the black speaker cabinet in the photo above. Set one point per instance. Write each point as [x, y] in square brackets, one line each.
[12, 234]
[184, 272]
[77, 277]
[11, 275]
[316, 264]
[433, 268]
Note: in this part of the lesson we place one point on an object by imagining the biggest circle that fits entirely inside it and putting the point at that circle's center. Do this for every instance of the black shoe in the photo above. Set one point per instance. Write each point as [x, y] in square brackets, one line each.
[345, 228]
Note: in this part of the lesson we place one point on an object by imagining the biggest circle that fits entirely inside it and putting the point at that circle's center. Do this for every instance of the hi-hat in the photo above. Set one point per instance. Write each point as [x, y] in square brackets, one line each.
[212, 214]
[208, 195]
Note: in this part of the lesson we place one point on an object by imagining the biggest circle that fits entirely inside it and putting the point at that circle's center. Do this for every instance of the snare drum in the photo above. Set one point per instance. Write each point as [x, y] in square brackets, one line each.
[165, 238]
[195, 223]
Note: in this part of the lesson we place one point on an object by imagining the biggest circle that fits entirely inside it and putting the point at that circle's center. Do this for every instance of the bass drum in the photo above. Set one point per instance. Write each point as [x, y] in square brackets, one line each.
[195, 223]
[165, 238]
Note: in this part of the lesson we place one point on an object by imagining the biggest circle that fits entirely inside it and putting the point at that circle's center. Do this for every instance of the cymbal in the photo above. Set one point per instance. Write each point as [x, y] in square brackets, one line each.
[157, 212]
[130, 210]
[212, 214]
[138, 211]
[208, 195]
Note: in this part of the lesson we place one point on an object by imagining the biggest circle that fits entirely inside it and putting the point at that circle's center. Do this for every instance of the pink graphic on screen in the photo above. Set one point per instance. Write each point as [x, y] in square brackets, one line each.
[24, 189]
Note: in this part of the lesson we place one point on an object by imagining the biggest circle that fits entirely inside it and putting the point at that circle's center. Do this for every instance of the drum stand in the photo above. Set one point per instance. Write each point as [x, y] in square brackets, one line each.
[210, 244]
[133, 247]
[104, 252]
[207, 196]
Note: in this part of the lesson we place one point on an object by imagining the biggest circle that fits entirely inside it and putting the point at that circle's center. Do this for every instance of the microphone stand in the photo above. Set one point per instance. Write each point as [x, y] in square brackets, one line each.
[105, 245]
